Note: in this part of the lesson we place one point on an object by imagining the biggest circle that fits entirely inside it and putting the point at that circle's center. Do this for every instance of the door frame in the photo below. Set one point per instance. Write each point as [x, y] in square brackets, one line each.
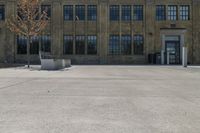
[179, 49]
[171, 32]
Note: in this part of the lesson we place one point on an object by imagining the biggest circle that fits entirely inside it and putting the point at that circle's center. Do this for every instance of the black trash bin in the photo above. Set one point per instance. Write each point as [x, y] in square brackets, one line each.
[151, 58]
[157, 58]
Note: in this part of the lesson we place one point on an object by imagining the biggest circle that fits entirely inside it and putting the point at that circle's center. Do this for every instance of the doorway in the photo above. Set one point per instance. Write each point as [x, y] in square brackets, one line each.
[172, 43]
[172, 51]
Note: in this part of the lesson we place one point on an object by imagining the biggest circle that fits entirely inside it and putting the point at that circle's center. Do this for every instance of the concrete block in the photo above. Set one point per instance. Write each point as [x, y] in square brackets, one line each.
[52, 64]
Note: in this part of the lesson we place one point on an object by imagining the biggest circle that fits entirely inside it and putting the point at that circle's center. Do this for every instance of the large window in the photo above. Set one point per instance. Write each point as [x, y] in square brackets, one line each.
[138, 44]
[92, 45]
[80, 12]
[125, 47]
[68, 12]
[172, 12]
[138, 12]
[126, 13]
[80, 45]
[184, 12]
[160, 12]
[92, 12]
[47, 9]
[46, 43]
[114, 12]
[2, 12]
[21, 45]
[114, 45]
[126, 44]
[34, 45]
[68, 44]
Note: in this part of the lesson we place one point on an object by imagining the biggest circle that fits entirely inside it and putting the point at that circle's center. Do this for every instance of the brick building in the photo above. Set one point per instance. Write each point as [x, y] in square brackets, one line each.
[109, 31]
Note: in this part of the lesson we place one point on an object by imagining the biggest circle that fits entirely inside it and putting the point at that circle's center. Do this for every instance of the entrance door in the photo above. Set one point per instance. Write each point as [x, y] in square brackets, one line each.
[172, 50]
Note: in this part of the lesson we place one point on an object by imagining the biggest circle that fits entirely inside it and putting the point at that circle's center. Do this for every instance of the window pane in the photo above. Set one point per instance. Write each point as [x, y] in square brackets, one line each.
[80, 12]
[2, 12]
[92, 12]
[114, 45]
[21, 45]
[114, 12]
[46, 43]
[92, 44]
[34, 45]
[160, 12]
[68, 12]
[68, 44]
[184, 12]
[126, 44]
[138, 44]
[126, 12]
[172, 12]
[138, 12]
[80, 45]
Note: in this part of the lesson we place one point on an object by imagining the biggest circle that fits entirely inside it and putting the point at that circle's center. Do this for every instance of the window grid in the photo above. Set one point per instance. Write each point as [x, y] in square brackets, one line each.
[138, 44]
[34, 45]
[160, 12]
[80, 12]
[21, 45]
[184, 12]
[114, 45]
[138, 12]
[80, 45]
[46, 43]
[126, 44]
[114, 12]
[68, 12]
[126, 13]
[172, 12]
[92, 45]
[2, 12]
[68, 44]
[92, 12]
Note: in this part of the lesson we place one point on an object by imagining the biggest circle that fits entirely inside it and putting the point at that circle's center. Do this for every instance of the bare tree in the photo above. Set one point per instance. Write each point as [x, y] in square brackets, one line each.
[28, 21]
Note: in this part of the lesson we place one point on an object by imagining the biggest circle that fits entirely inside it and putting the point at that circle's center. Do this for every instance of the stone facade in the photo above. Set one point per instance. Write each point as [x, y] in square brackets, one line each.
[150, 28]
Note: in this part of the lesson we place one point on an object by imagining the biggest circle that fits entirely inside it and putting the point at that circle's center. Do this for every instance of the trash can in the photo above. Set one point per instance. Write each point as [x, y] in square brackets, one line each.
[150, 58]
[157, 58]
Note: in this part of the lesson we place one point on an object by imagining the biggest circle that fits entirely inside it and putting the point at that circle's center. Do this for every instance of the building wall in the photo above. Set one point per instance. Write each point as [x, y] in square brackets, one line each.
[196, 32]
[103, 27]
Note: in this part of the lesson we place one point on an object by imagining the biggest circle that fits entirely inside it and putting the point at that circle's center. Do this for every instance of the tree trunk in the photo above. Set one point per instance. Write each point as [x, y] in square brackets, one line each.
[28, 51]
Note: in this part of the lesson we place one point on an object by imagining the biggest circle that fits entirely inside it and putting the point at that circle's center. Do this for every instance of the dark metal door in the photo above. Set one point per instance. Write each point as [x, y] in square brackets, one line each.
[173, 48]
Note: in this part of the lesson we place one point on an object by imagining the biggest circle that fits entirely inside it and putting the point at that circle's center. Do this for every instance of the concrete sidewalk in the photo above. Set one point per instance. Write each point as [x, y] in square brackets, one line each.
[100, 99]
